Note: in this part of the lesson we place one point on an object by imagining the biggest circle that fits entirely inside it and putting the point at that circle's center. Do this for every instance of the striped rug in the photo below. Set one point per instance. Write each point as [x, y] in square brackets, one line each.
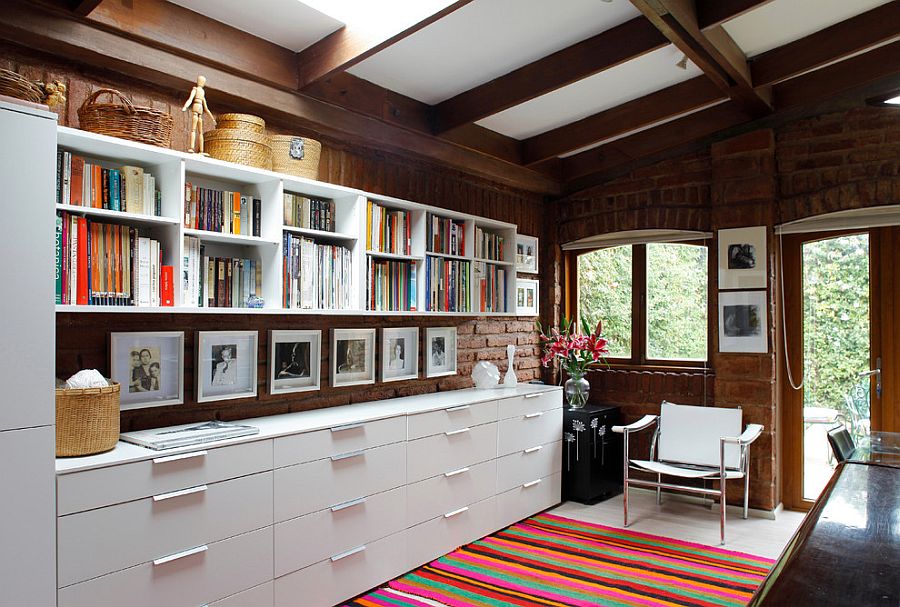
[553, 561]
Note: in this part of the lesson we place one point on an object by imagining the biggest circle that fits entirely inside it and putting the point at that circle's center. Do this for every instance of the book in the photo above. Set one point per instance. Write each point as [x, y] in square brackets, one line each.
[59, 258]
[172, 437]
[167, 287]
[257, 216]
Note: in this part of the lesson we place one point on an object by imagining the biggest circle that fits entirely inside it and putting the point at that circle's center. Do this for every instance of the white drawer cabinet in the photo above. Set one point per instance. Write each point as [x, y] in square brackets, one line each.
[530, 430]
[528, 498]
[450, 491]
[451, 419]
[336, 440]
[530, 403]
[258, 596]
[526, 465]
[451, 450]
[445, 533]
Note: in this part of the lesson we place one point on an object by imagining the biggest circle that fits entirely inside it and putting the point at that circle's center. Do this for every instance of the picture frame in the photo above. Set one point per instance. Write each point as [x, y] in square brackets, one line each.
[352, 357]
[295, 361]
[526, 254]
[527, 297]
[440, 351]
[149, 366]
[743, 322]
[743, 258]
[225, 366]
[399, 354]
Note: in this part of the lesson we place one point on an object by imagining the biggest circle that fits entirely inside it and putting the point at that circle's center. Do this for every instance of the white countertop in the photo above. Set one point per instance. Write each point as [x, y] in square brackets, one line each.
[308, 421]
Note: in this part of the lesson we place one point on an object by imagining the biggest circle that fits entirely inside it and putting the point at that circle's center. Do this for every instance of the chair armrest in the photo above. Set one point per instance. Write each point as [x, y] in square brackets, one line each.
[641, 424]
[750, 434]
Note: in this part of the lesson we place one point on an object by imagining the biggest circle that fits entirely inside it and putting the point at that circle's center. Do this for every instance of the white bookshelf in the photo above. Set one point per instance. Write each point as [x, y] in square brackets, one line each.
[173, 169]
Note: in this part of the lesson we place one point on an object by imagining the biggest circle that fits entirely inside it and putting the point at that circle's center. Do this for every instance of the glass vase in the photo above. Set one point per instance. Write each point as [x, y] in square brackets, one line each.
[577, 389]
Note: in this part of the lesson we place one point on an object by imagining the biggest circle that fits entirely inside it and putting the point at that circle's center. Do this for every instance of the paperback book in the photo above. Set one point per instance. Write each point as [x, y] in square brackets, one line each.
[186, 435]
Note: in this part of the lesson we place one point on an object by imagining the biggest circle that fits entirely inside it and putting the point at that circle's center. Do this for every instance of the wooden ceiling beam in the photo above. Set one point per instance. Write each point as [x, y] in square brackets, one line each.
[716, 12]
[348, 46]
[83, 8]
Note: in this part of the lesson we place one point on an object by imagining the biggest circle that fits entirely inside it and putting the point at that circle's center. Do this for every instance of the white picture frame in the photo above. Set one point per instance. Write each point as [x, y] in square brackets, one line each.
[295, 361]
[149, 366]
[352, 357]
[743, 322]
[225, 366]
[440, 351]
[399, 354]
[527, 297]
[526, 254]
[743, 258]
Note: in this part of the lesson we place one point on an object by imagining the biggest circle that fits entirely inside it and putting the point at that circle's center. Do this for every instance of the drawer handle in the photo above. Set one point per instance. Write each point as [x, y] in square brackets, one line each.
[175, 458]
[344, 555]
[337, 458]
[180, 555]
[350, 504]
[167, 496]
[531, 484]
[533, 449]
[455, 472]
[532, 415]
[455, 512]
[459, 408]
[455, 432]
[347, 427]
[535, 395]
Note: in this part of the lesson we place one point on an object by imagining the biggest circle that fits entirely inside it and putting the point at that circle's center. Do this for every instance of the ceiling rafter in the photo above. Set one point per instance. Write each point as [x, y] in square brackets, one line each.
[84, 8]
[716, 12]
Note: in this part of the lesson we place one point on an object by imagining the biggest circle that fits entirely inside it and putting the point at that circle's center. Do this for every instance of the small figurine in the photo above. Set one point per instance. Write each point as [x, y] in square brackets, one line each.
[197, 103]
[55, 94]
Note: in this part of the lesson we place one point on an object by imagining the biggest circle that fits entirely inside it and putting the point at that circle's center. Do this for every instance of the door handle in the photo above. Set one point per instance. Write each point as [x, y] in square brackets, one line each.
[877, 373]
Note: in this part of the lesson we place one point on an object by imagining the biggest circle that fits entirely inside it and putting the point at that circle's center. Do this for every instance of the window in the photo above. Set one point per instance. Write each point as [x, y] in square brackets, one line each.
[651, 298]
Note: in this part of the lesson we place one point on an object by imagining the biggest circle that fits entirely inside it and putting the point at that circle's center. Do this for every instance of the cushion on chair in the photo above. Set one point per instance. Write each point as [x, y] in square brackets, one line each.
[690, 434]
[663, 468]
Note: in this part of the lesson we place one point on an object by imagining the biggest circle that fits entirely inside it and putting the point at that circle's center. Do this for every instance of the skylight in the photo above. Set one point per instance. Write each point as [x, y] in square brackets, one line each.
[386, 17]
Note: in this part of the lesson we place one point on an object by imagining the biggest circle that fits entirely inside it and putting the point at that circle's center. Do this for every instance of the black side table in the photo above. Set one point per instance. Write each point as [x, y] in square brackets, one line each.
[592, 454]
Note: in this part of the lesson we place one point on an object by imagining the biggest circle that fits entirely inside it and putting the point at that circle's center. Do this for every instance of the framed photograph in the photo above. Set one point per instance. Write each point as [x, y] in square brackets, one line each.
[742, 258]
[440, 351]
[352, 357]
[226, 365]
[295, 358]
[149, 367]
[742, 322]
[526, 297]
[399, 354]
[526, 254]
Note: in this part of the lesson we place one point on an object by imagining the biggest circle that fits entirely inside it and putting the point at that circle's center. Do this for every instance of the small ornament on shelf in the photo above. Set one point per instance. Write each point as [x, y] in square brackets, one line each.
[197, 103]
[510, 380]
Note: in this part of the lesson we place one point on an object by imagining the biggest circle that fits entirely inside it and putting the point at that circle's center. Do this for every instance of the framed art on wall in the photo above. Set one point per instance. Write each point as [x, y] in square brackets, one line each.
[440, 351]
[742, 258]
[295, 359]
[149, 367]
[226, 365]
[399, 354]
[742, 322]
[526, 254]
[526, 297]
[352, 357]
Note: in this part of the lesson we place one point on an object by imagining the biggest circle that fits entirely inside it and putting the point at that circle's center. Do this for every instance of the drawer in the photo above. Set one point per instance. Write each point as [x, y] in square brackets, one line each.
[302, 541]
[528, 499]
[530, 403]
[451, 491]
[451, 450]
[208, 574]
[109, 539]
[260, 596]
[163, 474]
[314, 486]
[344, 575]
[310, 446]
[452, 418]
[448, 532]
[530, 430]
[526, 465]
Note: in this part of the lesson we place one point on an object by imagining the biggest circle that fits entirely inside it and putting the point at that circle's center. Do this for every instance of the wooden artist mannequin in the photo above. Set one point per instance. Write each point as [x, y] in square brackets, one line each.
[197, 103]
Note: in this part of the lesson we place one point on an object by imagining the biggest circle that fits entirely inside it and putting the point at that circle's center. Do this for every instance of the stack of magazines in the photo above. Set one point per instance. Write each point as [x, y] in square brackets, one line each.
[190, 434]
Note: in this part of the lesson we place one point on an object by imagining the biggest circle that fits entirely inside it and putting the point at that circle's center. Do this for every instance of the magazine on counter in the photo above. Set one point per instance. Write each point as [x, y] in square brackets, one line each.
[189, 434]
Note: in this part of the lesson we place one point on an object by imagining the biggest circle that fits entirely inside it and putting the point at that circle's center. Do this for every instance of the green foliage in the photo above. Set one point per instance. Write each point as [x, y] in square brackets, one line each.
[604, 293]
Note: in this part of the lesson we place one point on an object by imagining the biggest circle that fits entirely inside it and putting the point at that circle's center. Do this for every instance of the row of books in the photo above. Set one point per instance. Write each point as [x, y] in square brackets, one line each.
[488, 245]
[85, 184]
[221, 211]
[310, 213]
[387, 230]
[316, 276]
[490, 283]
[447, 285]
[391, 285]
[106, 264]
[447, 236]
[217, 282]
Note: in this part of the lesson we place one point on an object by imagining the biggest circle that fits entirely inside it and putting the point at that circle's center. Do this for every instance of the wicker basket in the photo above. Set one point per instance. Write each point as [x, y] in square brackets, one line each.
[296, 155]
[241, 122]
[16, 85]
[87, 420]
[240, 146]
[125, 120]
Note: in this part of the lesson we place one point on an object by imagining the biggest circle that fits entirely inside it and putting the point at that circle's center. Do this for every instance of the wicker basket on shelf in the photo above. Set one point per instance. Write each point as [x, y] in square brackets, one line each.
[296, 155]
[16, 85]
[239, 145]
[119, 117]
[241, 122]
[87, 420]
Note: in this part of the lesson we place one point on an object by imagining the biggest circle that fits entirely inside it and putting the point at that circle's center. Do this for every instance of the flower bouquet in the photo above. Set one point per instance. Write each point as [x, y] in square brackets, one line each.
[576, 351]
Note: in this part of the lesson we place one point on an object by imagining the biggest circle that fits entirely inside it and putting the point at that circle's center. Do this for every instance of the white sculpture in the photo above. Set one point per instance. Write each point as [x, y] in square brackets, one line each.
[510, 380]
[486, 375]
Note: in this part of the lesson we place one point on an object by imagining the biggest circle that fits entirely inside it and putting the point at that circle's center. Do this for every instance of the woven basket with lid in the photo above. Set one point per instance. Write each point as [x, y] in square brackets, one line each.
[240, 146]
[296, 155]
[241, 122]
[87, 420]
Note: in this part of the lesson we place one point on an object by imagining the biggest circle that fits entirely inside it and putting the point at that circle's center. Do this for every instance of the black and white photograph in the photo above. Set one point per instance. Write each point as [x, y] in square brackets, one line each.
[440, 351]
[742, 258]
[526, 297]
[294, 361]
[399, 354]
[742, 322]
[226, 365]
[526, 254]
[352, 357]
[150, 365]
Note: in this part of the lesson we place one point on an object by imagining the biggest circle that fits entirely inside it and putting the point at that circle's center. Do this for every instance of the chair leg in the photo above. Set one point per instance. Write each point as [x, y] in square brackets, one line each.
[625, 481]
[658, 490]
[723, 506]
[747, 490]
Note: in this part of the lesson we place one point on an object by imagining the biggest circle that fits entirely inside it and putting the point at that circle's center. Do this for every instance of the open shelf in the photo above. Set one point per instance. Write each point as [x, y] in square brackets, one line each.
[239, 239]
[118, 216]
[320, 233]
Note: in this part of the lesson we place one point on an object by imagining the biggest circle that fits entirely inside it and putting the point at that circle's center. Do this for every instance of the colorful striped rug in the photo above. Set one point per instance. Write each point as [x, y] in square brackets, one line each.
[553, 561]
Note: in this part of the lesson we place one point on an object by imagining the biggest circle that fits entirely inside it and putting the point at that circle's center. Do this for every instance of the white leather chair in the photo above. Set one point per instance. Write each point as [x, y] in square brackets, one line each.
[692, 443]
